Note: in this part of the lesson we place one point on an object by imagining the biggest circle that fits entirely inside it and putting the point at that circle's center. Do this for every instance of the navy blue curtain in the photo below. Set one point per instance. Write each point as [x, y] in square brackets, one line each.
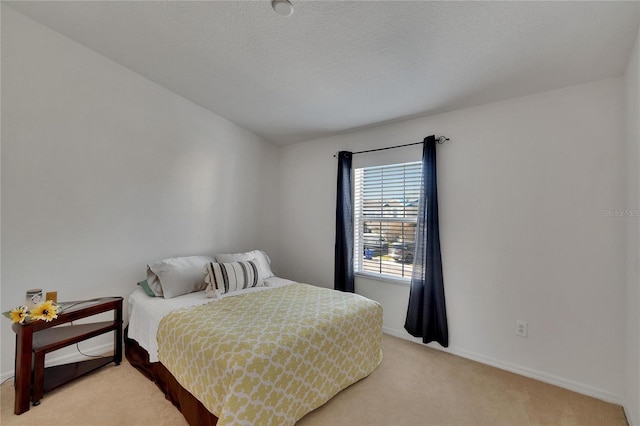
[343, 274]
[427, 315]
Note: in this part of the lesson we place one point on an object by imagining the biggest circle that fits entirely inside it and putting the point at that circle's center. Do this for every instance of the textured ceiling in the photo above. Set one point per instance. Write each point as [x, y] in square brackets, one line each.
[335, 66]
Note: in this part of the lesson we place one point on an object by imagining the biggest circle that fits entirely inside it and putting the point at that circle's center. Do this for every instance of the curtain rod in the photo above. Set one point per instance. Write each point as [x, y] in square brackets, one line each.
[439, 140]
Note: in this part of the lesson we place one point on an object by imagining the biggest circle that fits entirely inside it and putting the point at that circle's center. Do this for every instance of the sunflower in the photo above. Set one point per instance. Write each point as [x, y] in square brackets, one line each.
[45, 311]
[19, 314]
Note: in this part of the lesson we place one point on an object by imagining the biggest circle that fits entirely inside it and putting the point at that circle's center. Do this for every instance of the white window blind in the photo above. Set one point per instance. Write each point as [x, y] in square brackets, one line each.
[385, 209]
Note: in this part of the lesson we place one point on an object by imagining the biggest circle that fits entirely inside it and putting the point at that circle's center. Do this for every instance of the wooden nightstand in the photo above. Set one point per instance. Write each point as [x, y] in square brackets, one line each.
[37, 338]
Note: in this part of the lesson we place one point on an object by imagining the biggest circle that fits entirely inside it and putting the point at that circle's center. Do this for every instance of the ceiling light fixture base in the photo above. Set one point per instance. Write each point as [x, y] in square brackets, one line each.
[282, 7]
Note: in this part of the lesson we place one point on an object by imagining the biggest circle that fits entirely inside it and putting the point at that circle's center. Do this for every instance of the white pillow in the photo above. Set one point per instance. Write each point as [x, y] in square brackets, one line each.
[261, 258]
[177, 276]
[222, 278]
[154, 283]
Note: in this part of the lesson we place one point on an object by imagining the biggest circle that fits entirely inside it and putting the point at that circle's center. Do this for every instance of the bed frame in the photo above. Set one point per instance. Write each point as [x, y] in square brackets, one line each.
[193, 411]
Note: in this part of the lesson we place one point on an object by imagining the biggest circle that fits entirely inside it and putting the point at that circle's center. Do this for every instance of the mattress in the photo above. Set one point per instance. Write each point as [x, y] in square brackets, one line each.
[145, 313]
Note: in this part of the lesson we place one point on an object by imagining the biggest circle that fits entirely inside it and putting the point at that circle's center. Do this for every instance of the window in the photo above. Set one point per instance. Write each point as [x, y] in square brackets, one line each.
[385, 215]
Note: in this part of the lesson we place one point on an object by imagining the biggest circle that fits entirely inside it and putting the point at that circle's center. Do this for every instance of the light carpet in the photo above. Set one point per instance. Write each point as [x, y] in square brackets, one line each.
[414, 385]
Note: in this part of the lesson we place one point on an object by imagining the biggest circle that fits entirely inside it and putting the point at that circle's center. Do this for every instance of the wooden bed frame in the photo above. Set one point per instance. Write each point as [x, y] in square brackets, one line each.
[193, 411]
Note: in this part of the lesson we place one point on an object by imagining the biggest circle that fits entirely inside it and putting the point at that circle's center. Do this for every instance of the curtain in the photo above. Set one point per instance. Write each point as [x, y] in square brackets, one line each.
[343, 274]
[426, 314]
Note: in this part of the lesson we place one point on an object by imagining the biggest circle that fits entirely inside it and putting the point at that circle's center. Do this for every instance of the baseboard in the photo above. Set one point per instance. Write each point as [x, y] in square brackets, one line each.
[68, 358]
[627, 416]
[523, 371]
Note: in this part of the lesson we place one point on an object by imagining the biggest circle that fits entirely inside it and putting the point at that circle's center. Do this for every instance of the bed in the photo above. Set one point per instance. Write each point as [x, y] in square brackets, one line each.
[264, 355]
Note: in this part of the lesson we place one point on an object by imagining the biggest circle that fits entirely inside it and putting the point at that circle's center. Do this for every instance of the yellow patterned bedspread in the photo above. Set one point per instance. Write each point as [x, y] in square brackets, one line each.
[270, 357]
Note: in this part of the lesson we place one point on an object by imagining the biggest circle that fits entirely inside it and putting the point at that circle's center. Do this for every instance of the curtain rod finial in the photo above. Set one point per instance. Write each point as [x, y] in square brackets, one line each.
[441, 139]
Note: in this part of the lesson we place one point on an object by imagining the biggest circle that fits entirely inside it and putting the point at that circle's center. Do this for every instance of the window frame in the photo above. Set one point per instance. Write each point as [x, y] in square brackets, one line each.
[360, 218]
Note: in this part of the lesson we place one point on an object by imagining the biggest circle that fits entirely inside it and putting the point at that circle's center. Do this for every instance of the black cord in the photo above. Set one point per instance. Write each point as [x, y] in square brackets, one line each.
[6, 380]
[88, 356]
[82, 353]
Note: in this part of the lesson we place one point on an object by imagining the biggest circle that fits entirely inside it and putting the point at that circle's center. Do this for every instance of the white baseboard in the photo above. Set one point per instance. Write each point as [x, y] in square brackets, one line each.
[628, 416]
[65, 359]
[523, 371]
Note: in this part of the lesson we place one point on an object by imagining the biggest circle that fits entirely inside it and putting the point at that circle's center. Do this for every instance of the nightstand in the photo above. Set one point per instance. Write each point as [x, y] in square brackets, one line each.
[37, 338]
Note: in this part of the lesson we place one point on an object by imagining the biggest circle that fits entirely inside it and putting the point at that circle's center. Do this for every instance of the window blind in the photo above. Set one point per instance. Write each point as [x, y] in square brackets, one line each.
[385, 209]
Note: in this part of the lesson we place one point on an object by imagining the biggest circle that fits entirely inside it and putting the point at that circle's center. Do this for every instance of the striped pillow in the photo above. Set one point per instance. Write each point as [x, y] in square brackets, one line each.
[222, 278]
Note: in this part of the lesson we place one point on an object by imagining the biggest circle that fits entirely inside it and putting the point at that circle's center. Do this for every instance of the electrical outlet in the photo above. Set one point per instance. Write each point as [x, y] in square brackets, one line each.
[522, 328]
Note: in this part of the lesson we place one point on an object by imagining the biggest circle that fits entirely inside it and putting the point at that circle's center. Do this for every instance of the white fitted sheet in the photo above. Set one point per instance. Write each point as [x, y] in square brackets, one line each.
[145, 313]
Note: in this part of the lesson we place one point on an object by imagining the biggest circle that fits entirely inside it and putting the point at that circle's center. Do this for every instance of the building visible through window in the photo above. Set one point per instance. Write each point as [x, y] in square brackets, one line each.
[385, 209]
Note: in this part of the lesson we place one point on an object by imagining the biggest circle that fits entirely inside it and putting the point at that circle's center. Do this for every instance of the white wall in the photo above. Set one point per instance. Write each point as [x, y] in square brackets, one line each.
[632, 376]
[524, 186]
[104, 171]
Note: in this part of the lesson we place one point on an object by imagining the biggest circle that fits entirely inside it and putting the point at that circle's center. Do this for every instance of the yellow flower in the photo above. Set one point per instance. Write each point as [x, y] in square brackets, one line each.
[19, 314]
[45, 311]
